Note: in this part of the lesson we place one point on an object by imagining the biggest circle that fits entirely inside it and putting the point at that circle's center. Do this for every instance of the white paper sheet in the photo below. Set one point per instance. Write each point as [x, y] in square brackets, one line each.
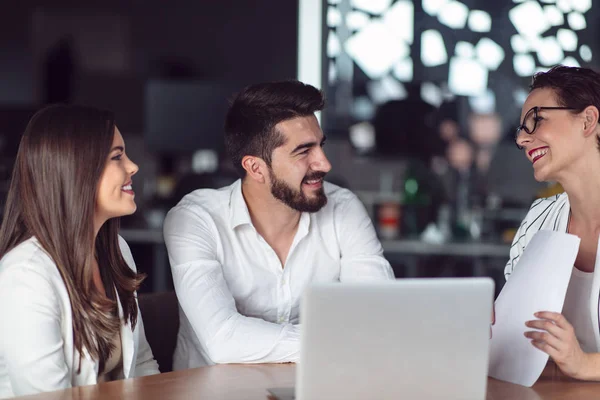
[539, 283]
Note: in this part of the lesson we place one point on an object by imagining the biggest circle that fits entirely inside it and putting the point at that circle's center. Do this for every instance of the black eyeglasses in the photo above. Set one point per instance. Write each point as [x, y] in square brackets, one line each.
[531, 119]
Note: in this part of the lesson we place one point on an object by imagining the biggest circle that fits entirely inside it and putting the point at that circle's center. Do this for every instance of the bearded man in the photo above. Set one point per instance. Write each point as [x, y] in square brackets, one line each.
[242, 255]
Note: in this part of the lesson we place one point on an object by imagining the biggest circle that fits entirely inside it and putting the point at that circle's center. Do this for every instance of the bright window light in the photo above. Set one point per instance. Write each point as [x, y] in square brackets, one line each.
[332, 72]
[385, 90]
[371, 6]
[564, 5]
[375, 60]
[454, 15]
[585, 53]
[524, 64]
[485, 103]
[549, 52]
[399, 20]
[520, 96]
[433, 7]
[464, 49]
[489, 53]
[334, 17]
[447, 93]
[333, 45]
[310, 46]
[529, 19]
[363, 108]
[356, 20]
[567, 39]
[582, 6]
[570, 62]
[554, 16]
[576, 21]
[431, 94]
[403, 70]
[534, 42]
[362, 136]
[480, 21]
[205, 161]
[433, 50]
[518, 44]
[467, 77]
[540, 69]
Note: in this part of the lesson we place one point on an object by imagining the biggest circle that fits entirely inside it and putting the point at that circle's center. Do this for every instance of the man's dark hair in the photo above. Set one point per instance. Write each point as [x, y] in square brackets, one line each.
[257, 109]
[574, 87]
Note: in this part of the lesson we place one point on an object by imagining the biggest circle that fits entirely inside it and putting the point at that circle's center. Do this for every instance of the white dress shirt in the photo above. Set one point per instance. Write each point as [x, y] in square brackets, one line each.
[37, 353]
[237, 303]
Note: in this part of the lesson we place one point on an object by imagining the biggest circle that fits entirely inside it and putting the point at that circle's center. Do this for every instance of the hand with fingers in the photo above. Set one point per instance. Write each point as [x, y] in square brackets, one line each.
[556, 337]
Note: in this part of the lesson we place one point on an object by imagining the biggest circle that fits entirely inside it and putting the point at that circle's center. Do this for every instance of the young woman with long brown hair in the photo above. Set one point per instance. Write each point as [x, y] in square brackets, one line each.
[68, 308]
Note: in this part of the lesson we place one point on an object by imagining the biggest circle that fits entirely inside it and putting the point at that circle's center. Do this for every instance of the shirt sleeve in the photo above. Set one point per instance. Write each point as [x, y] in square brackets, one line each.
[31, 339]
[361, 252]
[226, 335]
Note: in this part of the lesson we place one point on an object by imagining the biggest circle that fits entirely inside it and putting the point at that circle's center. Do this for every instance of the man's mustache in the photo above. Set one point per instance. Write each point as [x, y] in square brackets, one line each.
[314, 175]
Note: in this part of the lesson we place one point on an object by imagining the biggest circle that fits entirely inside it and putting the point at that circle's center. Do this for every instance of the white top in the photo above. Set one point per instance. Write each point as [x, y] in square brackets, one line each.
[238, 304]
[576, 309]
[36, 346]
[552, 213]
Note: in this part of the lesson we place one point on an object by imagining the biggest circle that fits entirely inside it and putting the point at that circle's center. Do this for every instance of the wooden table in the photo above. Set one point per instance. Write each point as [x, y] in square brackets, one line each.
[250, 382]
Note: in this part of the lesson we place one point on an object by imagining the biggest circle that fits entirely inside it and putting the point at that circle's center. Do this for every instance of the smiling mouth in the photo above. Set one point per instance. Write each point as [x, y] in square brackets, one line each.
[538, 153]
[316, 181]
[127, 188]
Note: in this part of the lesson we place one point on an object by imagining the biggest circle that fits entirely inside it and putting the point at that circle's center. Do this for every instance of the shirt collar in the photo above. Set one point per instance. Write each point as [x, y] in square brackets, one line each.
[239, 214]
[238, 209]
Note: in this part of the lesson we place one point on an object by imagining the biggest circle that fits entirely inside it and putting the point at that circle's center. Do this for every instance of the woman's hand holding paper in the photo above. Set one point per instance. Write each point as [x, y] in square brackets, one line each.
[556, 337]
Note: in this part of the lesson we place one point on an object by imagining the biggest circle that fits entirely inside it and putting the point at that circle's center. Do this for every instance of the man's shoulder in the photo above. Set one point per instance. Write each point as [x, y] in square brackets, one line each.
[337, 194]
[339, 201]
[206, 201]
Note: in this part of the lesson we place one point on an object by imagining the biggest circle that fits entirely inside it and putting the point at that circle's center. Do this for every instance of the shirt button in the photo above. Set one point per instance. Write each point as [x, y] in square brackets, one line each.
[283, 282]
[280, 320]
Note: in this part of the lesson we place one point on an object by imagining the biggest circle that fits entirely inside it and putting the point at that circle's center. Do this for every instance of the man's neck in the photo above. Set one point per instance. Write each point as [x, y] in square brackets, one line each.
[271, 218]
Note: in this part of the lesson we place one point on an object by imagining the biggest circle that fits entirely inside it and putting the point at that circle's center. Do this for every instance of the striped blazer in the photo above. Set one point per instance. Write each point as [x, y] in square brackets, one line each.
[551, 213]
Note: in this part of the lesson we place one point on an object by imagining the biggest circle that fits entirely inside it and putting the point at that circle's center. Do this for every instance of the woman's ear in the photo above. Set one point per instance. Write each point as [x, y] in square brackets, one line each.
[255, 168]
[590, 120]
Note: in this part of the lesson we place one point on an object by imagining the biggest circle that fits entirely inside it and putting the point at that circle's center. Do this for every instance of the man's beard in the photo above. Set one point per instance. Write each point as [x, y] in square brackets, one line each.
[296, 199]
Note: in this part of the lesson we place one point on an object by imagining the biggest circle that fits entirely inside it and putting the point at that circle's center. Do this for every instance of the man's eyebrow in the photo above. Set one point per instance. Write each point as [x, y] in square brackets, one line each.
[306, 145]
[303, 146]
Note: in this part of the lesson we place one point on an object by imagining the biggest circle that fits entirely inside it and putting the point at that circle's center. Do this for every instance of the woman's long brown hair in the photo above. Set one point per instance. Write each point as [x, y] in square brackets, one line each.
[52, 197]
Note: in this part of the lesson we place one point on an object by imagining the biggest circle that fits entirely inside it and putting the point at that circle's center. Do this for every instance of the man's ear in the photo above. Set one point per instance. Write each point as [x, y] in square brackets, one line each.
[255, 168]
[590, 121]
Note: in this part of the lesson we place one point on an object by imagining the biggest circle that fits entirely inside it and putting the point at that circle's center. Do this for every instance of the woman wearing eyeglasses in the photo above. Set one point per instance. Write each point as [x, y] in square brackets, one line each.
[560, 135]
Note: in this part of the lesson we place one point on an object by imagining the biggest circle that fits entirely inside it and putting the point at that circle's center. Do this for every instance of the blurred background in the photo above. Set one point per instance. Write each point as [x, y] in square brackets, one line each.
[423, 100]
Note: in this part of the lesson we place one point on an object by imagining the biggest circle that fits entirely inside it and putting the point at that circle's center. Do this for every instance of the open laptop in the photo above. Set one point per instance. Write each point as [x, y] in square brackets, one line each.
[410, 339]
